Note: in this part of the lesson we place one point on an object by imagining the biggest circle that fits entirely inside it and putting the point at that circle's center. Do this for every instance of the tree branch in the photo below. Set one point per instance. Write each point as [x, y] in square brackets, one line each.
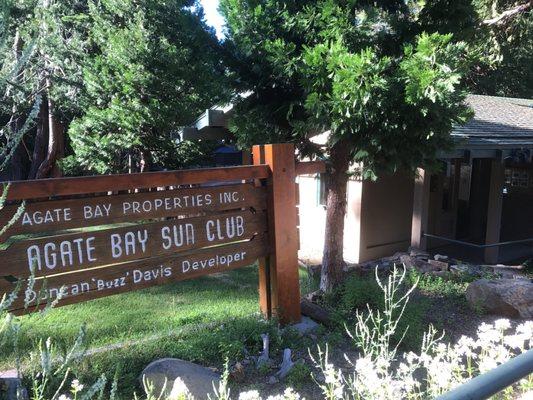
[508, 14]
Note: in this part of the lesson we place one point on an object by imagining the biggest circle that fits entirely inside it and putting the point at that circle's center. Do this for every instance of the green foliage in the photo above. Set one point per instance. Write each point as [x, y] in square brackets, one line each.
[451, 286]
[299, 376]
[358, 294]
[366, 72]
[123, 77]
[528, 266]
[205, 345]
[155, 65]
[505, 50]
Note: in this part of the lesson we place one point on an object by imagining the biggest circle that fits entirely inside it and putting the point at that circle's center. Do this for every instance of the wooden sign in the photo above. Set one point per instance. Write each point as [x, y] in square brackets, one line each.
[118, 278]
[47, 216]
[77, 251]
[78, 238]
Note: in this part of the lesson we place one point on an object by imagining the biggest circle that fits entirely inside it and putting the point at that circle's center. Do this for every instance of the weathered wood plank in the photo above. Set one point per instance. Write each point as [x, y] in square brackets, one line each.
[47, 216]
[77, 251]
[310, 167]
[107, 281]
[44, 188]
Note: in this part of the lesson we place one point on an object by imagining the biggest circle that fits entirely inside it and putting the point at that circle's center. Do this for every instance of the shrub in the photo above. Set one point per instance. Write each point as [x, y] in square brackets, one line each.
[361, 293]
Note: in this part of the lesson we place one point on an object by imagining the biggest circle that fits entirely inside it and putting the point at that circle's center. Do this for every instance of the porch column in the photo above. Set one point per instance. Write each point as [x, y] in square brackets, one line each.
[420, 209]
[494, 212]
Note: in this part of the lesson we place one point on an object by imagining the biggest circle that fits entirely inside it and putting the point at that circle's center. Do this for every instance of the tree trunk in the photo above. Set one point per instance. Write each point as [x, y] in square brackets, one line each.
[55, 138]
[145, 163]
[17, 159]
[41, 139]
[336, 184]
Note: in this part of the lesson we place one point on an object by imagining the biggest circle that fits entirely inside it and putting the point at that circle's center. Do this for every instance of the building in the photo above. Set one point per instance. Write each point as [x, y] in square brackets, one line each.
[484, 194]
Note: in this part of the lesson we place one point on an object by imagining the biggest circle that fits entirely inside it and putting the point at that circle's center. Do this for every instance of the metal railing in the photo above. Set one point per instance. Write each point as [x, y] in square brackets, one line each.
[477, 246]
[493, 381]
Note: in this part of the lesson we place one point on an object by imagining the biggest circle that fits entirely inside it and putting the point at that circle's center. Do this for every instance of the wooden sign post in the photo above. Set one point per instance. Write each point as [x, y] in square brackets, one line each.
[80, 240]
[279, 286]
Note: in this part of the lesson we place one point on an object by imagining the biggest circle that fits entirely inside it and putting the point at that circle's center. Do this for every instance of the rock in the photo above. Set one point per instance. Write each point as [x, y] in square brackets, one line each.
[509, 271]
[264, 358]
[9, 383]
[395, 258]
[418, 253]
[314, 296]
[440, 257]
[312, 269]
[506, 297]
[305, 326]
[286, 364]
[237, 372]
[441, 274]
[468, 269]
[441, 265]
[199, 380]
[417, 263]
[369, 267]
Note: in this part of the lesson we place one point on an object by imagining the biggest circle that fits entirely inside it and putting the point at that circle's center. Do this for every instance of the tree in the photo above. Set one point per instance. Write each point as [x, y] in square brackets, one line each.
[504, 40]
[116, 78]
[387, 92]
[153, 66]
[13, 126]
[46, 44]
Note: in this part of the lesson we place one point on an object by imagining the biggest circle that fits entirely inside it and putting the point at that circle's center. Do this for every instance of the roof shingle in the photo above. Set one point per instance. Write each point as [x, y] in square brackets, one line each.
[499, 122]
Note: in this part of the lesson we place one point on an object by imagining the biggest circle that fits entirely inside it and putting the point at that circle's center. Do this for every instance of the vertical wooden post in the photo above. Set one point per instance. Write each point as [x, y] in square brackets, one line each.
[455, 193]
[280, 271]
[420, 209]
[494, 211]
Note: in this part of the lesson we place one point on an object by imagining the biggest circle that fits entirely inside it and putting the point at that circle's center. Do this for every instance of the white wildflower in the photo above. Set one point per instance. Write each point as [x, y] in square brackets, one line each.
[487, 336]
[486, 364]
[76, 386]
[250, 395]
[290, 394]
[364, 365]
[64, 397]
[338, 392]
[411, 357]
[526, 396]
[515, 341]
[526, 329]
[441, 348]
[382, 364]
[179, 390]
[403, 368]
[502, 324]
[465, 346]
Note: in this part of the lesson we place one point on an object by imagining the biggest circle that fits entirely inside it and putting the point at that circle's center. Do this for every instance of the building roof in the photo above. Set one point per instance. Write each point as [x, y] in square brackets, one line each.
[501, 126]
[498, 123]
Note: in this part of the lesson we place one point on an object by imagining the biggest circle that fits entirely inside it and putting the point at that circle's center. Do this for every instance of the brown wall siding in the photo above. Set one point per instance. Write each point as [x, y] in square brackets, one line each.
[386, 213]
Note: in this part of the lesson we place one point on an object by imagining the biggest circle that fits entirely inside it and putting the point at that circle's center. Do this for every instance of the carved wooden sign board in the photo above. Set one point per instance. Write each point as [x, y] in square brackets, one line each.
[89, 237]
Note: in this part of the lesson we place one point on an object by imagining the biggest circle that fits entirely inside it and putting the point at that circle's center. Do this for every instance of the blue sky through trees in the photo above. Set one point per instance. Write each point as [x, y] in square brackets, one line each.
[213, 17]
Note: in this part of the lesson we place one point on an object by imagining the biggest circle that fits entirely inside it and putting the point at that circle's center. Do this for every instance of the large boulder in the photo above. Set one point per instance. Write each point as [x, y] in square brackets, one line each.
[507, 297]
[199, 380]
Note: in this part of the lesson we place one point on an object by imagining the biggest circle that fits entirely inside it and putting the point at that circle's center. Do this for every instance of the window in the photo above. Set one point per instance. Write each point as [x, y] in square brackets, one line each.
[518, 178]
[321, 192]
